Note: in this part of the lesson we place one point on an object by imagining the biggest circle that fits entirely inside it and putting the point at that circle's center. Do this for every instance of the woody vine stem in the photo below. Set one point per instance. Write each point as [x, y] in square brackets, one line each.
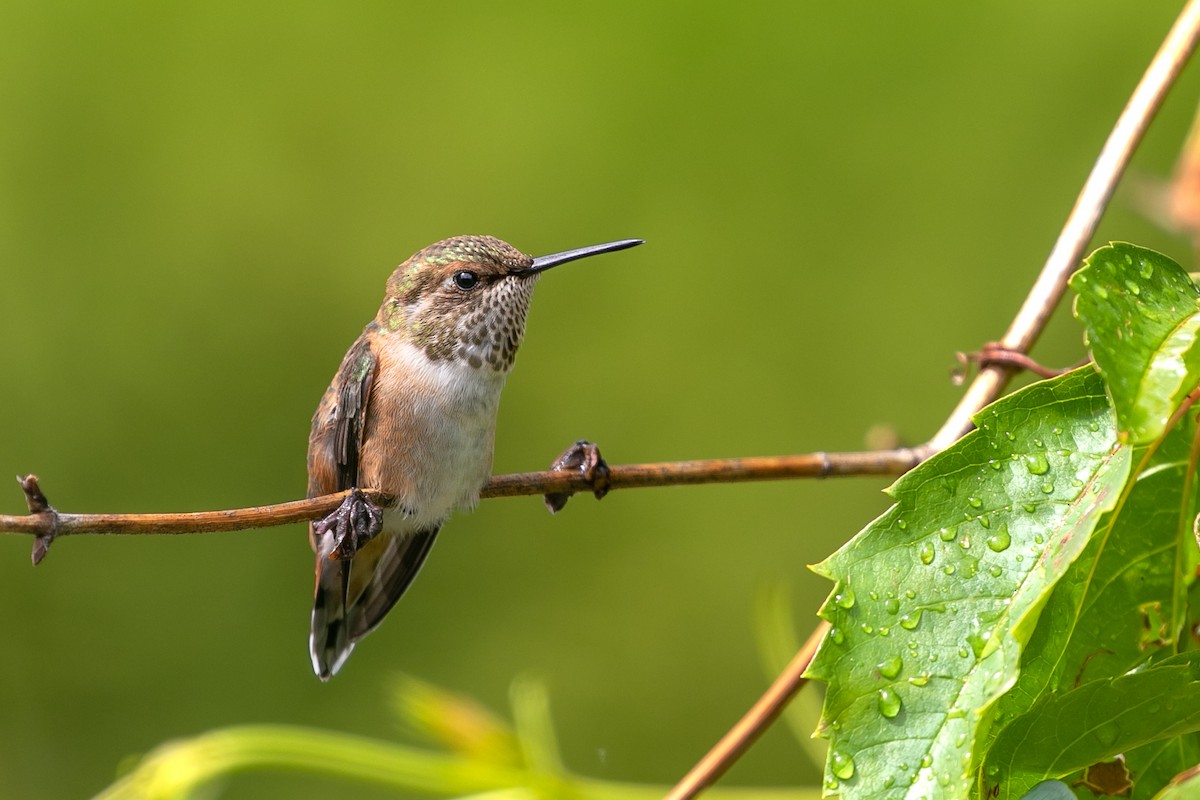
[45, 523]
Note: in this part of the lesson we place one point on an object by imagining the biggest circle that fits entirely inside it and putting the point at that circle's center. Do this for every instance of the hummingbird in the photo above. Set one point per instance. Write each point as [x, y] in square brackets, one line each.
[411, 417]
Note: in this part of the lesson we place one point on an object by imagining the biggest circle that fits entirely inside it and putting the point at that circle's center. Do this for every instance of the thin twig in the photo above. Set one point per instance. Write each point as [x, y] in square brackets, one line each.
[47, 521]
[750, 727]
[1081, 224]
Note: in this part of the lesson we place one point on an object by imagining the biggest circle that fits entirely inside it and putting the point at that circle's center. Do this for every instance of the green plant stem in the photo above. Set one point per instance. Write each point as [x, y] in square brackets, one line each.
[178, 767]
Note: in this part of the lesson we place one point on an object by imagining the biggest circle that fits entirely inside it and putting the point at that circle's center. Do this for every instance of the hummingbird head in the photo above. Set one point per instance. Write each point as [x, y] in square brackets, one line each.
[466, 298]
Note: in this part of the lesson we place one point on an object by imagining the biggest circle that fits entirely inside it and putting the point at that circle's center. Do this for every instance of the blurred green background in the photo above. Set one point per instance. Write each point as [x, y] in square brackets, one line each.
[199, 206]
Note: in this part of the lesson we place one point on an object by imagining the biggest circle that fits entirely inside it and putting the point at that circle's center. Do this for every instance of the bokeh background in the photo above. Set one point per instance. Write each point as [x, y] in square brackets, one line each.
[199, 205]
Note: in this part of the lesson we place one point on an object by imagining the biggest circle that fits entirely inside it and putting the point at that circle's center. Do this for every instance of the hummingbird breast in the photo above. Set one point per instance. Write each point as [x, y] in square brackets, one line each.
[430, 433]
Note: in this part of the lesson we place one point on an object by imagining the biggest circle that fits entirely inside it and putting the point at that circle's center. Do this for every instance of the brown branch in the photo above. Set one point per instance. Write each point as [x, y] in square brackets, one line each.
[47, 523]
[739, 738]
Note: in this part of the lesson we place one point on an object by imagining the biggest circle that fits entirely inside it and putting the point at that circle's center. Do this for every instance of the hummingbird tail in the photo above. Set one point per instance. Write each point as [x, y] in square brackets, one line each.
[329, 641]
[353, 595]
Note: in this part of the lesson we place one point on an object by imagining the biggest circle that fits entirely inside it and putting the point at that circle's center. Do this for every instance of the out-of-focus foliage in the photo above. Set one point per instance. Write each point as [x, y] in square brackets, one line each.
[199, 204]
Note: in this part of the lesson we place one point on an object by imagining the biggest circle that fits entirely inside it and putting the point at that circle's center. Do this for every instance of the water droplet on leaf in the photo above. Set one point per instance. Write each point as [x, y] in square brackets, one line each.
[889, 703]
[1037, 464]
[841, 765]
[999, 541]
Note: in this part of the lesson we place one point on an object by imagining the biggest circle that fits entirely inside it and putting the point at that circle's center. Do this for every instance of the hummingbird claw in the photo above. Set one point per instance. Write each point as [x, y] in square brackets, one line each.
[585, 457]
[349, 526]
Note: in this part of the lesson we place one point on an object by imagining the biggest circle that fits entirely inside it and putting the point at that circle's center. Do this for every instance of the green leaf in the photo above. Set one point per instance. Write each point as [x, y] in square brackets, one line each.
[1185, 786]
[1141, 313]
[1124, 600]
[1154, 765]
[1066, 732]
[935, 598]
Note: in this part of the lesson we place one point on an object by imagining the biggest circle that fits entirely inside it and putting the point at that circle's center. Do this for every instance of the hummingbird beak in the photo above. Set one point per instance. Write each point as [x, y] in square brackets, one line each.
[542, 263]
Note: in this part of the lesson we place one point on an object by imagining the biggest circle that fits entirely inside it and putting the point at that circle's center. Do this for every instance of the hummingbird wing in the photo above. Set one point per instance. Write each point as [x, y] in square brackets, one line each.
[381, 572]
[334, 446]
[352, 596]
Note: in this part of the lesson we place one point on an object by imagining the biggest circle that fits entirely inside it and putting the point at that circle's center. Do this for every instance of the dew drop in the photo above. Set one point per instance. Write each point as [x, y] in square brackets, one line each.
[963, 651]
[889, 703]
[884, 630]
[845, 598]
[944, 779]
[1107, 732]
[1101, 292]
[911, 621]
[888, 781]
[948, 534]
[1038, 443]
[873, 595]
[1029, 507]
[919, 680]
[867, 629]
[1047, 488]
[1093, 426]
[999, 541]
[965, 543]
[949, 569]
[910, 594]
[901, 524]
[926, 761]
[841, 765]
[891, 606]
[836, 635]
[985, 520]
[926, 552]
[1037, 464]
[996, 464]
[960, 740]
[1133, 288]
[891, 667]
[1038, 538]
[1147, 270]
[974, 502]
[995, 570]
[970, 566]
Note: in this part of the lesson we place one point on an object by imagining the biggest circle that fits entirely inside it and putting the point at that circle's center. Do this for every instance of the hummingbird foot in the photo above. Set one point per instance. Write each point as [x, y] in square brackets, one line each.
[349, 527]
[585, 457]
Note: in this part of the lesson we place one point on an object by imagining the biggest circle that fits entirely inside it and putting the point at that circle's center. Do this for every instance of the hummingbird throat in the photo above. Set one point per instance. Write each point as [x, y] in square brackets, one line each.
[482, 330]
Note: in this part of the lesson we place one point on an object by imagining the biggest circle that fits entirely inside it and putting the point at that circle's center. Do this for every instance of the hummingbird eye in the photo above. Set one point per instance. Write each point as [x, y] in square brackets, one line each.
[465, 280]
